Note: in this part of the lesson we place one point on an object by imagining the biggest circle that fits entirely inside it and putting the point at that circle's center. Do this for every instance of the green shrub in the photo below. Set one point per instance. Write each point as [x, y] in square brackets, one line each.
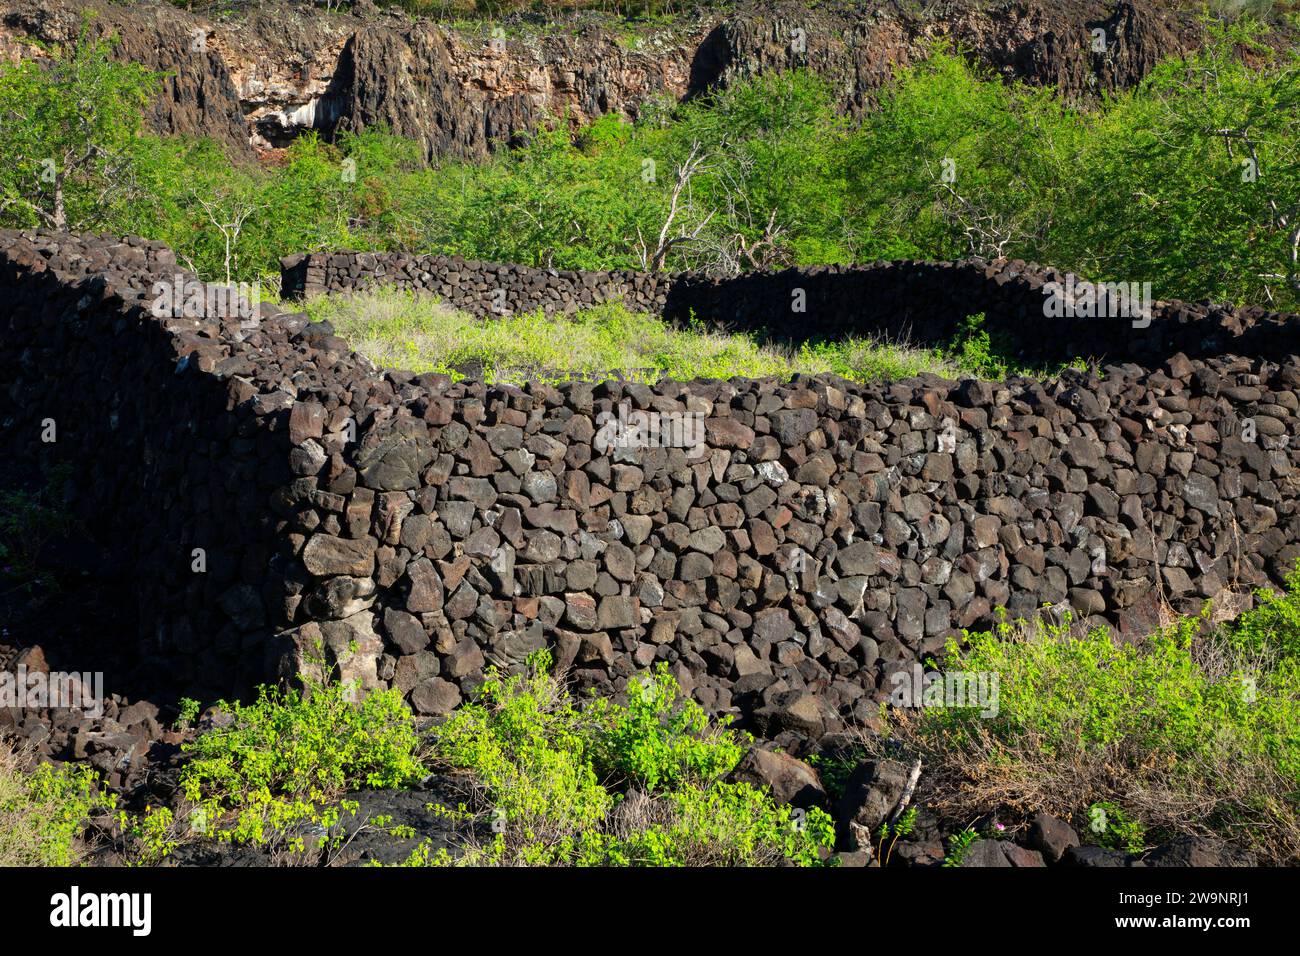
[44, 813]
[610, 784]
[1272, 627]
[1190, 730]
[658, 738]
[284, 760]
[724, 825]
[151, 836]
[525, 743]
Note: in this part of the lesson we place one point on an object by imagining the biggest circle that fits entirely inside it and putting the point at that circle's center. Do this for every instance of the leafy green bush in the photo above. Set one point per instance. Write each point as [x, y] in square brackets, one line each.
[1191, 180]
[658, 738]
[283, 760]
[548, 782]
[1272, 627]
[1190, 730]
[525, 743]
[150, 837]
[953, 162]
[44, 813]
[611, 784]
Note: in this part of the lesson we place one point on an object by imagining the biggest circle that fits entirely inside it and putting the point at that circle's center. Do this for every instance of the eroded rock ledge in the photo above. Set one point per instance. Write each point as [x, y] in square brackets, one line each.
[260, 73]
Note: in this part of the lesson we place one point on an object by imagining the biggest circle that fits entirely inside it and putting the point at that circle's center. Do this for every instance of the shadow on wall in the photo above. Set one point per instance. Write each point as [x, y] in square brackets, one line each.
[171, 473]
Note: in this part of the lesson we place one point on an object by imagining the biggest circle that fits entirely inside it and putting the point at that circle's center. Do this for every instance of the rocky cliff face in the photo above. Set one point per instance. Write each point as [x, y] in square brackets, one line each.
[259, 74]
[198, 95]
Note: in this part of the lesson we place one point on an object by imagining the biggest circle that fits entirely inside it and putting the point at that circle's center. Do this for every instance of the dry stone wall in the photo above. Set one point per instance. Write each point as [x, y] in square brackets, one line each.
[821, 536]
[918, 301]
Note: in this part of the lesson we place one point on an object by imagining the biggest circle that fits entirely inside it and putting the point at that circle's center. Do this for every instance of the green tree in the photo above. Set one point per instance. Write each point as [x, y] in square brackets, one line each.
[67, 131]
[1192, 181]
[775, 176]
[953, 163]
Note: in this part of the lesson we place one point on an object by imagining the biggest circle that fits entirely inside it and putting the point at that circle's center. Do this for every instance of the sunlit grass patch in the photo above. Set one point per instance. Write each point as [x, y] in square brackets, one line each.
[400, 329]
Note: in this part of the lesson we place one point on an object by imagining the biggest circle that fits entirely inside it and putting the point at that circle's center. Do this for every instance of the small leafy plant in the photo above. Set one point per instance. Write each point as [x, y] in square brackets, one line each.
[187, 713]
[975, 350]
[958, 844]
[151, 835]
[1113, 828]
[893, 832]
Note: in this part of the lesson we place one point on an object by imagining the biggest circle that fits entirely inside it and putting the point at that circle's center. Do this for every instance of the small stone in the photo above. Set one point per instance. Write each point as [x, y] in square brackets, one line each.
[326, 554]
[435, 696]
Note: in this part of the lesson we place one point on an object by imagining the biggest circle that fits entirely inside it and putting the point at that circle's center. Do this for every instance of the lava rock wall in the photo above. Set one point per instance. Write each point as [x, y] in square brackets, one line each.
[819, 536]
[923, 302]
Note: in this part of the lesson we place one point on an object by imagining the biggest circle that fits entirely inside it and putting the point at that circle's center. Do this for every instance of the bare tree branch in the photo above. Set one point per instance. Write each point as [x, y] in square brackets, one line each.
[654, 261]
[229, 230]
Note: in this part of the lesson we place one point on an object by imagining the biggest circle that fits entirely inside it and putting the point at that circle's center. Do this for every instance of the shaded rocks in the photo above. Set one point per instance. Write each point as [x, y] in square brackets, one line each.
[871, 793]
[790, 781]
[1200, 851]
[1051, 836]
